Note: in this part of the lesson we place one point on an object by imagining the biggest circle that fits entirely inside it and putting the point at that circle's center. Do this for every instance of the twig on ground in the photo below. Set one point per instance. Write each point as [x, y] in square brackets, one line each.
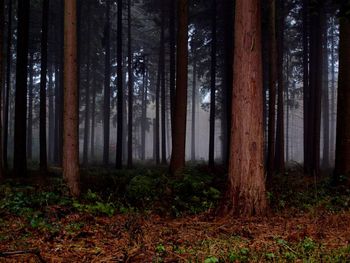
[35, 252]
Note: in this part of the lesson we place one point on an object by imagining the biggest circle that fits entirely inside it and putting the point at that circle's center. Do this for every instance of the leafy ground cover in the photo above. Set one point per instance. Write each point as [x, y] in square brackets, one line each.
[144, 216]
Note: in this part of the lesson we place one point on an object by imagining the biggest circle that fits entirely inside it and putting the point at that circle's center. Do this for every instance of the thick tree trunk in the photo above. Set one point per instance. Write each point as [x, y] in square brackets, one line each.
[107, 88]
[130, 89]
[272, 87]
[87, 93]
[43, 81]
[143, 113]
[180, 110]
[70, 125]
[212, 87]
[8, 85]
[342, 155]
[333, 84]
[119, 155]
[93, 117]
[20, 151]
[246, 190]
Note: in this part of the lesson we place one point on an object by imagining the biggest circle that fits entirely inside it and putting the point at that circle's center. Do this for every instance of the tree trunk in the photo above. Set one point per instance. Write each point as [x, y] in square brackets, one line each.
[43, 81]
[107, 88]
[20, 151]
[8, 85]
[144, 112]
[30, 108]
[87, 93]
[172, 57]
[130, 89]
[212, 87]
[246, 190]
[162, 68]
[119, 155]
[333, 121]
[227, 80]
[93, 117]
[272, 87]
[51, 115]
[71, 122]
[2, 26]
[157, 139]
[315, 89]
[325, 97]
[180, 110]
[279, 150]
[194, 99]
[306, 87]
[342, 155]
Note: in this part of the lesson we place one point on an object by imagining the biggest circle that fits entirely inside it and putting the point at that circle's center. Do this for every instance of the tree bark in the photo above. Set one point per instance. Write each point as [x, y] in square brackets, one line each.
[279, 150]
[8, 86]
[119, 155]
[342, 154]
[87, 92]
[51, 115]
[246, 185]
[212, 87]
[130, 89]
[172, 57]
[2, 26]
[107, 88]
[177, 162]
[30, 107]
[43, 81]
[20, 151]
[70, 125]
[272, 87]
[194, 99]
[162, 68]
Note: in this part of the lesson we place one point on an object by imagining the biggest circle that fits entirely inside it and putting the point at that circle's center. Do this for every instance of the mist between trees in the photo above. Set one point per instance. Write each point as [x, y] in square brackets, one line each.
[133, 82]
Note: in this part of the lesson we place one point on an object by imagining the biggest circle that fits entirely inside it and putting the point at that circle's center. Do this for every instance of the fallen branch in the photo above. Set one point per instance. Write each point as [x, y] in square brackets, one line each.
[35, 252]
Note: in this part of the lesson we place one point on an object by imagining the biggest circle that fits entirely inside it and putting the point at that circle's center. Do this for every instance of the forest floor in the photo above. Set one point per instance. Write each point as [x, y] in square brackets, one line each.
[143, 216]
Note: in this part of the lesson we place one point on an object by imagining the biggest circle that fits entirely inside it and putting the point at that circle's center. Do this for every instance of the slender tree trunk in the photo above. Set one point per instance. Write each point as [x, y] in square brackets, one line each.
[87, 92]
[163, 106]
[172, 58]
[20, 151]
[325, 97]
[43, 81]
[180, 110]
[119, 155]
[107, 88]
[51, 115]
[30, 108]
[194, 99]
[246, 186]
[315, 89]
[71, 122]
[279, 151]
[272, 87]
[333, 121]
[93, 116]
[212, 87]
[306, 87]
[228, 79]
[143, 113]
[130, 89]
[8, 85]
[2, 27]
[157, 139]
[342, 154]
